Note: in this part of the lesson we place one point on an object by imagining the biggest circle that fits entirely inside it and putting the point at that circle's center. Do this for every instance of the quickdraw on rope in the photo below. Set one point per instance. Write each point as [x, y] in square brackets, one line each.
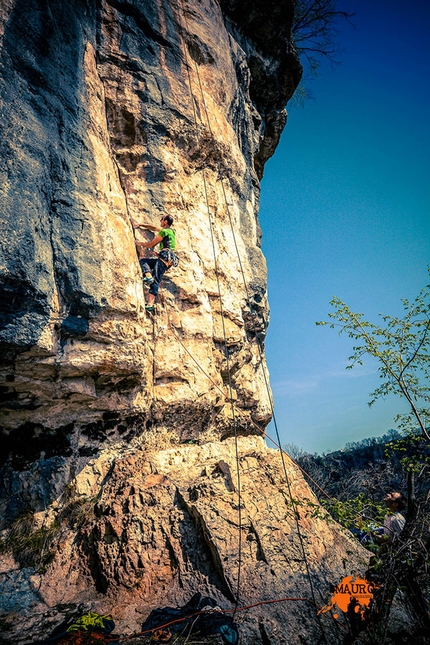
[188, 67]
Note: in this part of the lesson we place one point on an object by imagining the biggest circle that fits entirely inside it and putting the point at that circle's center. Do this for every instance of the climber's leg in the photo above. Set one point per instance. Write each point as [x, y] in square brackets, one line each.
[157, 273]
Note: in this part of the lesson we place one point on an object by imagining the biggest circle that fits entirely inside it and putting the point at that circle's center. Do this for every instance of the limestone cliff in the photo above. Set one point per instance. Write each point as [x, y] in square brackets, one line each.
[117, 426]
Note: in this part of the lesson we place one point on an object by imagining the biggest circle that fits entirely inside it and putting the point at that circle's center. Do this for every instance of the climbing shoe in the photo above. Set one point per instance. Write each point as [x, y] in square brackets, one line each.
[148, 279]
[149, 308]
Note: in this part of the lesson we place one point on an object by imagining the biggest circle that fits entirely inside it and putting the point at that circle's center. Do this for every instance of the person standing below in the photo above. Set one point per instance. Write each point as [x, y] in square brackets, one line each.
[394, 521]
[154, 268]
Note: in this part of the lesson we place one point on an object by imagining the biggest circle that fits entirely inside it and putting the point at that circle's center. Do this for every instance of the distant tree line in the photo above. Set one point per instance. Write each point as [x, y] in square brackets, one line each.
[356, 479]
[372, 466]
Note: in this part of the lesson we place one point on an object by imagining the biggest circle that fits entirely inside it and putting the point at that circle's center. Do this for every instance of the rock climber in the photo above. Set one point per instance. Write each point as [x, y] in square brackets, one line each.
[153, 269]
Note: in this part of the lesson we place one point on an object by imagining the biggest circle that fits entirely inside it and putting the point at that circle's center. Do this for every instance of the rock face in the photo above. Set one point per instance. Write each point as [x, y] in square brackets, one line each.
[147, 527]
[114, 113]
[118, 469]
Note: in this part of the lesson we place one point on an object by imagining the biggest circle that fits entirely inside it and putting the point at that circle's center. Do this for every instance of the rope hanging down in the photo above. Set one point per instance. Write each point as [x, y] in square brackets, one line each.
[188, 67]
[301, 541]
[262, 431]
[226, 353]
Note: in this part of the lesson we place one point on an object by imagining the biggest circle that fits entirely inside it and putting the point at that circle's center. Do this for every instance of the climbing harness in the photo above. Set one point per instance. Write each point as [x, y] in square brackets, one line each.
[171, 262]
[181, 12]
[168, 257]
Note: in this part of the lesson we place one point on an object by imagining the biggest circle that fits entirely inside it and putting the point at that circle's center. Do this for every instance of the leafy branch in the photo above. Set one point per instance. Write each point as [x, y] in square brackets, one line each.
[401, 346]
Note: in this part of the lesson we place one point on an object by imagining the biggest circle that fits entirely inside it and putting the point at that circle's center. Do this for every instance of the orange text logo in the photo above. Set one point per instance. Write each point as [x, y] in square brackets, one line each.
[353, 590]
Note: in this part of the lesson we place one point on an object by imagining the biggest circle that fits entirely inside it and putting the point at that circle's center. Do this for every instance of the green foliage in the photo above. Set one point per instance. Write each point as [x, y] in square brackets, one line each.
[412, 450]
[361, 512]
[300, 96]
[401, 347]
[308, 507]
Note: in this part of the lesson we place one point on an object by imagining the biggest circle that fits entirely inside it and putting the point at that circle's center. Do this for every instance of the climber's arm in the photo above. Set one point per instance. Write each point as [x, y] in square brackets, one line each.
[147, 227]
[148, 245]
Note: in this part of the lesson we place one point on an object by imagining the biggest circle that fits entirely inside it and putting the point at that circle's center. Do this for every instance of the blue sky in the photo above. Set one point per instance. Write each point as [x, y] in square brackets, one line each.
[345, 211]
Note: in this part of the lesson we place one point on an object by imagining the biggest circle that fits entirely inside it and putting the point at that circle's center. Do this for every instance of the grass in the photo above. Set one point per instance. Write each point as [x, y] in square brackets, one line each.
[30, 546]
[33, 546]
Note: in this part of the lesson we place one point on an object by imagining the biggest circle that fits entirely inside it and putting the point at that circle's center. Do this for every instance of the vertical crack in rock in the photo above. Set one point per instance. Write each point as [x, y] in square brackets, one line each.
[259, 553]
[265, 640]
[210, 563]
[88, 548]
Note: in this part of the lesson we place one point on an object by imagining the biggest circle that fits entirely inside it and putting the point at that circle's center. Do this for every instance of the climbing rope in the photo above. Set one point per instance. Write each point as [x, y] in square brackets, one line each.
[295, 514]
[226, 352]
[263, 432]
[181, 12]
[218, 610]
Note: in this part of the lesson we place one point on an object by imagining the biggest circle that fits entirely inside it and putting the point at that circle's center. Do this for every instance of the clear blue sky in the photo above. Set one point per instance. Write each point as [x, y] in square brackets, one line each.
[345, 211]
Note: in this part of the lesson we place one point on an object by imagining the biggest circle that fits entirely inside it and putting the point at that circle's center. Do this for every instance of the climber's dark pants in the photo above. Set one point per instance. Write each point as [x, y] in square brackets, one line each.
[157, 268]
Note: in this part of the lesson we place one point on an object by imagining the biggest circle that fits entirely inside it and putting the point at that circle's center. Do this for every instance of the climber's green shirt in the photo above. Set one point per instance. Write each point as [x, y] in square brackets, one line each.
[169, 238]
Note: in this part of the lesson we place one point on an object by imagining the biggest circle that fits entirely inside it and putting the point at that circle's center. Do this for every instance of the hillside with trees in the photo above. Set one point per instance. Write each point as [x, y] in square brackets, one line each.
[353, 484]
[371, 467]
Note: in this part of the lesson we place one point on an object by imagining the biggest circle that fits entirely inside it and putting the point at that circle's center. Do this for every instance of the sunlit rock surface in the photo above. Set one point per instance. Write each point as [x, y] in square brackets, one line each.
[147, 527]
[114, 113]
[119, 468]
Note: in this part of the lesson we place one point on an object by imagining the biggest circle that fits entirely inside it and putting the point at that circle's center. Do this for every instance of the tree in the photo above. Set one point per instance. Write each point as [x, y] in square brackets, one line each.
[315, 31]
[401, 347]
